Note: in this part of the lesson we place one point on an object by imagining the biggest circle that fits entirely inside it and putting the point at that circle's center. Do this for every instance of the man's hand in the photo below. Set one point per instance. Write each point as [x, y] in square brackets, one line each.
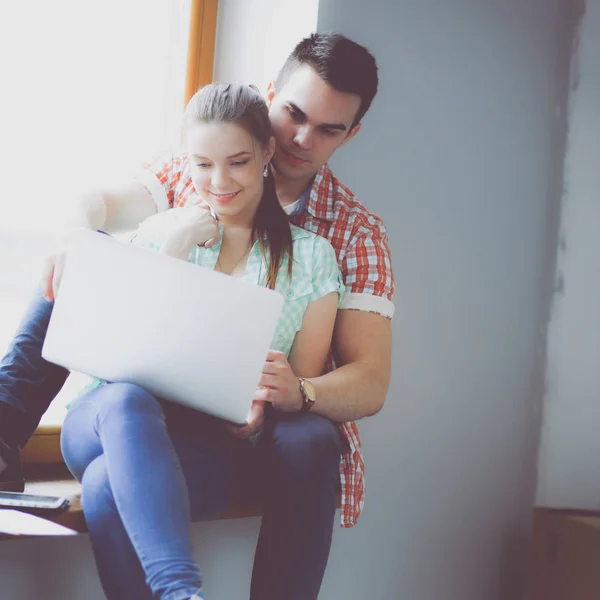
[279, 384]
[52, 271]
[254, 422]
[53, 266]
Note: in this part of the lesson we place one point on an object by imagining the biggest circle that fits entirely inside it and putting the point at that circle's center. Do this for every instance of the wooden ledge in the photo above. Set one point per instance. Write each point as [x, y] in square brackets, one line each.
[57, 481]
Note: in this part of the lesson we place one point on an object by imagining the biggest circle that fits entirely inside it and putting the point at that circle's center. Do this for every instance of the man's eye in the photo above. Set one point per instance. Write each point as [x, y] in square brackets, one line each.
[294, 113]
[330, 132]
[202, 165]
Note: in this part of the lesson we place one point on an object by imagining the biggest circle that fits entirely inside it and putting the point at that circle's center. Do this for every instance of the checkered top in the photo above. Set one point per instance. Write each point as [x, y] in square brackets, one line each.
[361, 245]
[315, 272]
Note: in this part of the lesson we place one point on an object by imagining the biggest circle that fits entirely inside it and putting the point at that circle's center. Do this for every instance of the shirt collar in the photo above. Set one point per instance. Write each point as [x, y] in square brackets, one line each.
[320, 202]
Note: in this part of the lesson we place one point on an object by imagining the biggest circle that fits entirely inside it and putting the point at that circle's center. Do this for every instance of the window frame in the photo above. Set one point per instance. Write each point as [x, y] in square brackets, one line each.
[44, 445]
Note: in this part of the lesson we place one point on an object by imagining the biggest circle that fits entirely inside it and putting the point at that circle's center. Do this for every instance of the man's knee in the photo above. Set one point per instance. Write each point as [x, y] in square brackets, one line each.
[306, 443]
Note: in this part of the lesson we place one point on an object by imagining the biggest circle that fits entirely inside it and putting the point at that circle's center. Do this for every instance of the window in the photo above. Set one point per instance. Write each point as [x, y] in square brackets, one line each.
[90, 91]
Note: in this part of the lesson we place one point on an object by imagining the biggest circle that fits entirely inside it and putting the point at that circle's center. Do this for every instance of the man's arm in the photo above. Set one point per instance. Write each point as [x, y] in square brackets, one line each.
[354, 390]
[118, 209]
[357, 388]
[113, 210]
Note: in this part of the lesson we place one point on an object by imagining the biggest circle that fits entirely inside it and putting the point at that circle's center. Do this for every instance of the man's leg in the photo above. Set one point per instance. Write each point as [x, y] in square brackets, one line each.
[300, 455]
[28, 383]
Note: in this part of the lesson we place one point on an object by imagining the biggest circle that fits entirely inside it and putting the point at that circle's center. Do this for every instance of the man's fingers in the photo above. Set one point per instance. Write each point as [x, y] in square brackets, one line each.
[47, 277]
[58, 273]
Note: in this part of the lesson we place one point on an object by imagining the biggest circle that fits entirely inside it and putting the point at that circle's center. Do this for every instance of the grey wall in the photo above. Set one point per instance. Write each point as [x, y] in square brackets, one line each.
[569, 463]
[459, 156]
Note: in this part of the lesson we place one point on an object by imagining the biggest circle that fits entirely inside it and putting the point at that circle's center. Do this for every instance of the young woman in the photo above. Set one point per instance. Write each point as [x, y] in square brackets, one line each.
[148, 466]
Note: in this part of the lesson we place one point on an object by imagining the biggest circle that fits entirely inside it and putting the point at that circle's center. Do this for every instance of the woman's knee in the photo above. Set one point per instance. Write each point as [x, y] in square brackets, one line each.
[103, 413]
[124, 399]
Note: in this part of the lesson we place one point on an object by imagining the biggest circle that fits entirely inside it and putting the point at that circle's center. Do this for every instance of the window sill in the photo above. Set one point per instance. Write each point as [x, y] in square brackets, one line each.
[46, 474]
[43, 447]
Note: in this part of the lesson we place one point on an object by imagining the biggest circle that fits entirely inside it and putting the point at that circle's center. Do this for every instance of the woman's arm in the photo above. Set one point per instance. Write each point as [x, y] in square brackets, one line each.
[307, 359]
[311, 344]
[279, 381]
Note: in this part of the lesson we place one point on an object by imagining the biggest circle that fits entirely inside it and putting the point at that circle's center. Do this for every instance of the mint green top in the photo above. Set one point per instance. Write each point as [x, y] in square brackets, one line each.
[315, 274]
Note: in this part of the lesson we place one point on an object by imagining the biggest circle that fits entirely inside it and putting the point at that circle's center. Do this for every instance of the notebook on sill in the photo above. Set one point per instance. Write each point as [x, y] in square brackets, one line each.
[180, 331]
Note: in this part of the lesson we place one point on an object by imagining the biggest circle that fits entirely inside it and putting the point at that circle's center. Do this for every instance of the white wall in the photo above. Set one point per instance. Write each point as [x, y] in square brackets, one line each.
[254, 38]
[458, 156]
[570, 449]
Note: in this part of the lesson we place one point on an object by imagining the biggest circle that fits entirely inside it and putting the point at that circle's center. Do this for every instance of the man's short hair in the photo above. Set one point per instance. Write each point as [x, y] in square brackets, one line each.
[340, 62]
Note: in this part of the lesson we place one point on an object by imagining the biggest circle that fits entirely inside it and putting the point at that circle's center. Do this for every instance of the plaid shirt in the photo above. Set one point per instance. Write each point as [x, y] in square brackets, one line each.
[360, 242]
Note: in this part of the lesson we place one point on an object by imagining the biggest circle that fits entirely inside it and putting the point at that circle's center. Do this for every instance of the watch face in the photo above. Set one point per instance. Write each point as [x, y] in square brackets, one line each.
[309, 388]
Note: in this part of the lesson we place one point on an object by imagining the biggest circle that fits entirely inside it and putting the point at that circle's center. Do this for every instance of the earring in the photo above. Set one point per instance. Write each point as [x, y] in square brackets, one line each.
[266, 170]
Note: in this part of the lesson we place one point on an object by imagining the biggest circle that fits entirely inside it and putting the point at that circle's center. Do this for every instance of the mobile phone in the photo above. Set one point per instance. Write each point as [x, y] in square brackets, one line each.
[32, 501]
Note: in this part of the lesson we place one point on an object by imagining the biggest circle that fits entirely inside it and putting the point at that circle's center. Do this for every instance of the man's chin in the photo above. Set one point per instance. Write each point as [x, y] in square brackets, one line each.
[287, 171]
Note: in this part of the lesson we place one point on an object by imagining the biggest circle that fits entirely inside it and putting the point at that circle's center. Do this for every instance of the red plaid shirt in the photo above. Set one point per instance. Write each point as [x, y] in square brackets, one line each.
[360, 242]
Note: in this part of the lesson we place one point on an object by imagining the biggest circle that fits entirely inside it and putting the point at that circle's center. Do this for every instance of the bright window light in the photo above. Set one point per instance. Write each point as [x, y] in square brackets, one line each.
[90, 90]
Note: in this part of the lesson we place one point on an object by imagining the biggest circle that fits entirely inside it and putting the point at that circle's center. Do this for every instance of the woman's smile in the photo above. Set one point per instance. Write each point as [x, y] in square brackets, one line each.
[224, 198]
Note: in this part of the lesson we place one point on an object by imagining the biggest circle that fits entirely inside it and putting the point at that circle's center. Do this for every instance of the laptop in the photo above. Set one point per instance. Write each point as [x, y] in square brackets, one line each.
[182, 332]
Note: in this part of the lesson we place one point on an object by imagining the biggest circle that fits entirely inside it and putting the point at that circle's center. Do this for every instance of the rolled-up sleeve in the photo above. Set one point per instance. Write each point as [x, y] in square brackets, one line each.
[161, 177]
[369, 279]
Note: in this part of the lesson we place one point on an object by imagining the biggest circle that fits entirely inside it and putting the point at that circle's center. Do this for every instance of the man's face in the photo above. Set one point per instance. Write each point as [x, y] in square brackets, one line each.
[311, 121]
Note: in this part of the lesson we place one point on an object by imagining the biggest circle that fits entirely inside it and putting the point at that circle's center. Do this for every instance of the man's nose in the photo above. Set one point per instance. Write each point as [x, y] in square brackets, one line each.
[303, 137]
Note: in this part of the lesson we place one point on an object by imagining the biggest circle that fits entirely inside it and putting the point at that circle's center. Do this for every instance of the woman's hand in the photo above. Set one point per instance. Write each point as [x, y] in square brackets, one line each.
[254, 422]
[279, 384]
[184, 228]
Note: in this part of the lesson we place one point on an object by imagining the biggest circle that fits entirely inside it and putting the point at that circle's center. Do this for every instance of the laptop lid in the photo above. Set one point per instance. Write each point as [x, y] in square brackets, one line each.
[182, 332]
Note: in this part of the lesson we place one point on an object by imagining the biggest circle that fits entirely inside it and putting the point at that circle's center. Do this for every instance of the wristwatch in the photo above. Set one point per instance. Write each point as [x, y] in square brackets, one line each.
[309, 394]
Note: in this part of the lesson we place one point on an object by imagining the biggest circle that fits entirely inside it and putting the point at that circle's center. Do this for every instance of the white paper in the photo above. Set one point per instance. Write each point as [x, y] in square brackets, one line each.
[15, 522]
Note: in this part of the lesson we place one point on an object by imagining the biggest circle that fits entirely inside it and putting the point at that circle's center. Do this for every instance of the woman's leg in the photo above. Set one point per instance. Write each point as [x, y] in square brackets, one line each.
[119, 567]
[125, 425]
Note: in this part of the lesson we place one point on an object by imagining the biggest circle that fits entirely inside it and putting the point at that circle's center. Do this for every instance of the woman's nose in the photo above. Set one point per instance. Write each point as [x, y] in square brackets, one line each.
[220, 177]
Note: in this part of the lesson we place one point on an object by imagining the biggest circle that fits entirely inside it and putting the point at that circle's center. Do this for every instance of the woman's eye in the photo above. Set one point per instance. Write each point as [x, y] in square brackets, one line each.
[202, 165]
[240, 163]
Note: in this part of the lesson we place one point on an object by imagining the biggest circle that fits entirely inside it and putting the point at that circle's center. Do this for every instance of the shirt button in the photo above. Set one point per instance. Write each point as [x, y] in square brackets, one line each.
[289, 294]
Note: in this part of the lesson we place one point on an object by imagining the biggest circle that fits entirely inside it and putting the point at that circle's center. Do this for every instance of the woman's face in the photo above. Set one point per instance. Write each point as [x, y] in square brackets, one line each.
[227, 168]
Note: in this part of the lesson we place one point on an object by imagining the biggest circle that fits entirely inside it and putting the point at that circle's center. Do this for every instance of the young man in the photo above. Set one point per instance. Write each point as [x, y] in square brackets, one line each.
[316, 106]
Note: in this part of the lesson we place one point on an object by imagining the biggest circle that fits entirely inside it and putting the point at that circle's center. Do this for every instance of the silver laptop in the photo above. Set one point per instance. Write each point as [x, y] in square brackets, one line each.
[180, 331]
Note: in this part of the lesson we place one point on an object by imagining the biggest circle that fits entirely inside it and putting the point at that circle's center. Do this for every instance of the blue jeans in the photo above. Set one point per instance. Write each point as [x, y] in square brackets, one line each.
[28, 383]
[145, 463]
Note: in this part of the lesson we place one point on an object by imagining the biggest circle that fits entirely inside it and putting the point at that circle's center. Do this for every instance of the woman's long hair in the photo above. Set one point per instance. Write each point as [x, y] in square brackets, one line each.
[242, 105]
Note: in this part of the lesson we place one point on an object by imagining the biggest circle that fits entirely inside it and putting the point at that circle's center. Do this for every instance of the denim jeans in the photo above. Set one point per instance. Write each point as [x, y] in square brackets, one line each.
[148, 466]
[28, 383]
